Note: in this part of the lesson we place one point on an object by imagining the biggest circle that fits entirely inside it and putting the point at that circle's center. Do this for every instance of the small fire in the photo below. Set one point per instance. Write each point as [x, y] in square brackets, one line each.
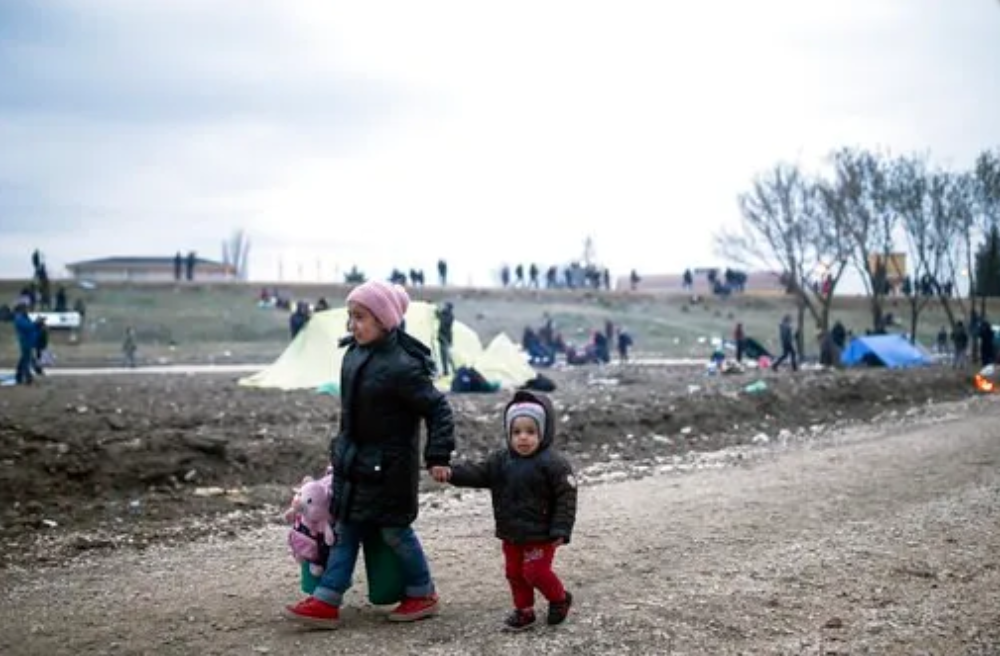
[985, 380]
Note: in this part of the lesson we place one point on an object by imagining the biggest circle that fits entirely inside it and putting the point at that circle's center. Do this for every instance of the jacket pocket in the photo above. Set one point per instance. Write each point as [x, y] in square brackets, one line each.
[368, 465]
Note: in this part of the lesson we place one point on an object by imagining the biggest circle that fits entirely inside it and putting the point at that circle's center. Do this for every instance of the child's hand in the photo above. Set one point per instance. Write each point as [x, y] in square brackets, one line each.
[441, 474]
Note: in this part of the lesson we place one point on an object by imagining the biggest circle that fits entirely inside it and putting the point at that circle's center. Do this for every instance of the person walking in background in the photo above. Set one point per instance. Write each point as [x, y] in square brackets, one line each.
[787, 338]
[445, 335]
[41, 357]
[739, 339]
[24, 328]
[960, 343]
[624, 344]
[129, 347]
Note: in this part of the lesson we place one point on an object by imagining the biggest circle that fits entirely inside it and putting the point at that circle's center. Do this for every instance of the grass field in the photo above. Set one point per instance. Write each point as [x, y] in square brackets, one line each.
[222, 323]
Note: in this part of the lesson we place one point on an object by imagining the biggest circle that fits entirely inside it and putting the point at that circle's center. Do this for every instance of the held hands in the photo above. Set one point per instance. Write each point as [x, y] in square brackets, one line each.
[441, 474]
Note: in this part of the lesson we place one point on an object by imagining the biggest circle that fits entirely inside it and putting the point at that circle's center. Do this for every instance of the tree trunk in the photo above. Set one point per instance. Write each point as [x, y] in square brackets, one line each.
[801, 345]
[876, 305]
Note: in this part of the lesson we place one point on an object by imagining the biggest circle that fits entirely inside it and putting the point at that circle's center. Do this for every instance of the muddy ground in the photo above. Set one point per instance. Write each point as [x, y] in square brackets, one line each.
[877, 539]
[101, 463]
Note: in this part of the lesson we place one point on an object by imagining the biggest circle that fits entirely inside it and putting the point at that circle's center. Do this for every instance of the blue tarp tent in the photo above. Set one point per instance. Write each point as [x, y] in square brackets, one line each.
[892, 351]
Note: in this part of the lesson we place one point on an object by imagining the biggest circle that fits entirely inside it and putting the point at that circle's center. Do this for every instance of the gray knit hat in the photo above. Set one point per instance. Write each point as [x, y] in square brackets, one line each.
[533, 410]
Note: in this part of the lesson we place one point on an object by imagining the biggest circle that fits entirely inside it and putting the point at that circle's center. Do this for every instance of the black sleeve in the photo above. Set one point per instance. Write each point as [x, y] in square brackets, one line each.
[475, 474]
[563, 486]
[417, 389]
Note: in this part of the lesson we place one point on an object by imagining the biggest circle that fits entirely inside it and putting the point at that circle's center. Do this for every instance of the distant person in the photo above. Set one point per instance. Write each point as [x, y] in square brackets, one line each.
[942, 340]
[534, 505]
[533, 275]
[62, 304]
[739, 341]
[41, 357]
[299, 318]
[24, 328]
[443, 272]
[624, 344]
[786, 336]
[129, 347]
[600, 347]
[445, 335]
[192, 260]
[987, 343]
[960, 344]
[839, 335]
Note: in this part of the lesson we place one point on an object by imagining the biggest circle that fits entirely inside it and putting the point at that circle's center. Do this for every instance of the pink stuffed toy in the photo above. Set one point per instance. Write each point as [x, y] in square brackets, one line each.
[312, 525]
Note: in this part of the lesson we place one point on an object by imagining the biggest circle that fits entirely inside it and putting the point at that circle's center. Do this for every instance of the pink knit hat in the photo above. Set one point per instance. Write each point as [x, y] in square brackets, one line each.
[386, 301]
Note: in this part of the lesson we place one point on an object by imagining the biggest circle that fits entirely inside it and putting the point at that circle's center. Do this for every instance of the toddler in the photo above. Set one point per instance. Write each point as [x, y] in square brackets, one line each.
[534, 505]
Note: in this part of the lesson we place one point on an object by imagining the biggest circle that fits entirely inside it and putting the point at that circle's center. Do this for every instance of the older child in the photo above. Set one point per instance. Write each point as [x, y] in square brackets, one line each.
[386, 388]
[534, 505]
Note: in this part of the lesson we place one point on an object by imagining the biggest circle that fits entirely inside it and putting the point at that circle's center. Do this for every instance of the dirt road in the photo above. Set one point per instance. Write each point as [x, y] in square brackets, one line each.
[881, 541]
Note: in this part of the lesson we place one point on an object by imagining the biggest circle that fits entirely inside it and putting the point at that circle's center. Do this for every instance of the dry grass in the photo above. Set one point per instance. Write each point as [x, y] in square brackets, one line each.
[200, 323]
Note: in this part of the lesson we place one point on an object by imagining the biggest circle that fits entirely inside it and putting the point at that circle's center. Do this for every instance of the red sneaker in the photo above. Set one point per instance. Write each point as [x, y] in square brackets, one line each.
[412, 609]
[314, 613]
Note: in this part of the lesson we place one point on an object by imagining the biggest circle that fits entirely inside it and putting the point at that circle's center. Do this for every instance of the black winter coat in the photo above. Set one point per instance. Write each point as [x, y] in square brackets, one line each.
[385, 390]
[534, 497]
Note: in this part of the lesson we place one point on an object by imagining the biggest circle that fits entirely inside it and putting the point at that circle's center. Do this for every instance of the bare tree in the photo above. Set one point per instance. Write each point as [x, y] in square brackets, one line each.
[783, 228]
[987, 195]
[911, 197]
[950, 196]
[831, 242]
[866, 192]
[236, 253]
[987, 177]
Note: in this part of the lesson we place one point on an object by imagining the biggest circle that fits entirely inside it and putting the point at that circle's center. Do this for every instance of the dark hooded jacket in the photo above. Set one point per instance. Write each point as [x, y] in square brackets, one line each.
[534, 497]
[386, 388]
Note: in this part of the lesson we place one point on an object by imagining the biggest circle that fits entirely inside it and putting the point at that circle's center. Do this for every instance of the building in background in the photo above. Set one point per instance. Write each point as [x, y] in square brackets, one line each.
[147, 269]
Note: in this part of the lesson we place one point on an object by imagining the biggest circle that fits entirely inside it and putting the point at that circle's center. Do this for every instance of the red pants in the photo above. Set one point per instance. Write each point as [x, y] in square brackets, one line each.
[529, 566]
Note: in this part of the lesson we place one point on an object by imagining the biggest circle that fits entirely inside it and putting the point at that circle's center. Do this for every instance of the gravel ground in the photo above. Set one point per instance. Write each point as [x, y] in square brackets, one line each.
[876, 539]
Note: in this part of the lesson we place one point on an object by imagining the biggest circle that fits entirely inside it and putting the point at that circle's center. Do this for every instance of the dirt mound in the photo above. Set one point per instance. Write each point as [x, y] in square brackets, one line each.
[132, 454]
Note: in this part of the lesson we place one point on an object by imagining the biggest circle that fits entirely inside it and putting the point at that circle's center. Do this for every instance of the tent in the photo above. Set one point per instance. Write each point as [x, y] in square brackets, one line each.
[313, 359]
[892, 351]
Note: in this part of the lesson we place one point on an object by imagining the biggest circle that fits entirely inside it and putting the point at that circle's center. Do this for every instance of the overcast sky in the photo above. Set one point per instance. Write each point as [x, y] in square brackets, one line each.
[389, 133]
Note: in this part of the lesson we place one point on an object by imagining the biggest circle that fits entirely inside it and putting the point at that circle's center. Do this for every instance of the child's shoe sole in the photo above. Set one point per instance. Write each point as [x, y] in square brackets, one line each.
[422, 614]
[311, 622]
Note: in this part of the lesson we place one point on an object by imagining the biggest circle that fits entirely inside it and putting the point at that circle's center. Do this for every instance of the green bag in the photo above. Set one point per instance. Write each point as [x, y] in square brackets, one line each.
[384, 571]
[308, 581]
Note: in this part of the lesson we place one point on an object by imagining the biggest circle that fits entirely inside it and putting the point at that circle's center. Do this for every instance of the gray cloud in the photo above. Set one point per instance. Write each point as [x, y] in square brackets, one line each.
[116, 115]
